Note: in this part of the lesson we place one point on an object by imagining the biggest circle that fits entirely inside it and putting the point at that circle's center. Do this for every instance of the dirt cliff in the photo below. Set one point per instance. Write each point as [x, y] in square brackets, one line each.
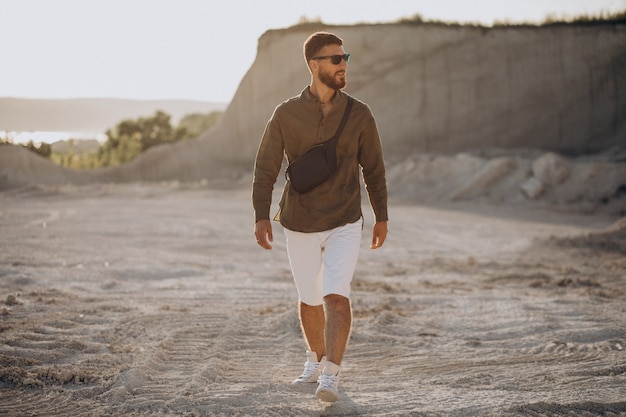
[436, 88]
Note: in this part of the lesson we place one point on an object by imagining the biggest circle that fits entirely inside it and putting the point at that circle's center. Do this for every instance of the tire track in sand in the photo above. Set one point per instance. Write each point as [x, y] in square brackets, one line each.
[213, 364]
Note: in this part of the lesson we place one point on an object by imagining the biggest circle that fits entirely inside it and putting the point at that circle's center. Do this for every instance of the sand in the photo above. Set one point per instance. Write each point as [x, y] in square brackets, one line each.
[153, 299]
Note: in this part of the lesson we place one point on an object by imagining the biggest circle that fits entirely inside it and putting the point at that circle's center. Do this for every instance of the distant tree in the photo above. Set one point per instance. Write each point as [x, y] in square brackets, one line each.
[73, 155]
[416, 18]
[198, 123]
[131, 137]
[305, 20]
[43, 149]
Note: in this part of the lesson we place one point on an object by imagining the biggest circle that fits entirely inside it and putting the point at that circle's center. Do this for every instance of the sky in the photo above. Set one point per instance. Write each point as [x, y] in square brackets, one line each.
[195, 49]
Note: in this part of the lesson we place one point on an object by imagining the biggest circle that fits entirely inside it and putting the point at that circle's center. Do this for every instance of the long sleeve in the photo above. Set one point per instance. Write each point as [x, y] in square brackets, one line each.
[267, 167]
[373, 167]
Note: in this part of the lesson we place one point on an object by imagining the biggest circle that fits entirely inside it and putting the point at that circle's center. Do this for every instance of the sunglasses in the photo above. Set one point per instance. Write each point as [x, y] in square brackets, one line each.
[335, 59]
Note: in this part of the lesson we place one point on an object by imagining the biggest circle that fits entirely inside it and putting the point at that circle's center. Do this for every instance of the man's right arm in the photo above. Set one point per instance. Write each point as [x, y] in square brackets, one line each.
[267, 167]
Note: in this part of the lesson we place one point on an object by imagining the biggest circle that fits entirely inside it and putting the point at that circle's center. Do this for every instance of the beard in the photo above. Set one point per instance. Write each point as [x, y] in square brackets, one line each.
[332, 80]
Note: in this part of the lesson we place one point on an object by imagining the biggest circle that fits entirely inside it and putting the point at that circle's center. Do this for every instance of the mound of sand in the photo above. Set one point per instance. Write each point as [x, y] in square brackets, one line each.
[20, 167]
[613, 239]
[524, 179]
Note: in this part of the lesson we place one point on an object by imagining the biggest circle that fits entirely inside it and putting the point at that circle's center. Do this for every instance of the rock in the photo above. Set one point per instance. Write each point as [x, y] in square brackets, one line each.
[551, 169]
[493, 171]
[548, 170]
[11, 300]
[532, 188]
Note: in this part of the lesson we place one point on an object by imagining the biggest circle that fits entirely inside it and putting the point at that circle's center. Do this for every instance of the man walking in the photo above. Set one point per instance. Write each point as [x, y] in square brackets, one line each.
[322, 226]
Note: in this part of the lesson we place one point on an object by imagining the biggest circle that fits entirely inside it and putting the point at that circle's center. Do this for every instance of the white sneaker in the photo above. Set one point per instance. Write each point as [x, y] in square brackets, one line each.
[328, 390]
[312, 369]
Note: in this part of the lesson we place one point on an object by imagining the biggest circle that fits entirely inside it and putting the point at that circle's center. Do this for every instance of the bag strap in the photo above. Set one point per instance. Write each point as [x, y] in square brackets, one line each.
[344, 119]
[331, 152]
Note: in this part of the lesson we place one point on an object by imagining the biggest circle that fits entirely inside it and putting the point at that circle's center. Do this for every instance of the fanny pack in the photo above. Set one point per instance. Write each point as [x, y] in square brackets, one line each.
[318, 163]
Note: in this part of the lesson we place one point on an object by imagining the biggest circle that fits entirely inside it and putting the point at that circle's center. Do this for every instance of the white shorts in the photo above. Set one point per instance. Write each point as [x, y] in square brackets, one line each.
[323, 263]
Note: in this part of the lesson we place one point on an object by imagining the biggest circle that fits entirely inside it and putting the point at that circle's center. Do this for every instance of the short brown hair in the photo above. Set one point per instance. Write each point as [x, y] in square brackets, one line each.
[317, 41]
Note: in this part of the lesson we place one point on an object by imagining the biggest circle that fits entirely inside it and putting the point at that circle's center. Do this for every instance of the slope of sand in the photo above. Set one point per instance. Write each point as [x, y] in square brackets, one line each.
[153, 299]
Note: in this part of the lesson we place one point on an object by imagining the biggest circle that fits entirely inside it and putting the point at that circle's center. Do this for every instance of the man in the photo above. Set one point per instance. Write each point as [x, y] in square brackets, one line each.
[323, 226]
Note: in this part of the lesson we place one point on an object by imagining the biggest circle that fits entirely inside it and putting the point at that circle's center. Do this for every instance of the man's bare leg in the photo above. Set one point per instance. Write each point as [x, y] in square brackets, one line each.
[338, 325]
[312, 320]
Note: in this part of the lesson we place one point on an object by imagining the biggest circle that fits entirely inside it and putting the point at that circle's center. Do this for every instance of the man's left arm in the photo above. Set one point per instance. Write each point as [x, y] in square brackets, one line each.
[379, 234]
[373, 166]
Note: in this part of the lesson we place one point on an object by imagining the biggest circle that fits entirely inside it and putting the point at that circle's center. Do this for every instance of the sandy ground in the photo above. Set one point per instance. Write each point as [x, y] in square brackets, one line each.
[137, 300]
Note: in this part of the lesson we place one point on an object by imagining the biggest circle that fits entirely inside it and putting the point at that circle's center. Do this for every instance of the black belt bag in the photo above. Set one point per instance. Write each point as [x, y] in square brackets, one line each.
[318, 163]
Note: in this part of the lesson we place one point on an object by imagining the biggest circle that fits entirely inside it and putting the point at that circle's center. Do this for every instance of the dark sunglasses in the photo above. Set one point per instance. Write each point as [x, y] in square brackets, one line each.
[335, 59]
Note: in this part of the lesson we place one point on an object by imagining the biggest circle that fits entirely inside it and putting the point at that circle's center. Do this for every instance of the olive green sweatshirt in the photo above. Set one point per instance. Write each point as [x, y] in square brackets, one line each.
[296, 125]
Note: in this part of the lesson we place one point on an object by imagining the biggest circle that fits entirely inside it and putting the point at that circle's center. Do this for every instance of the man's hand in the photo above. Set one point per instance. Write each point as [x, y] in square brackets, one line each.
[263, 233]
[379, 234]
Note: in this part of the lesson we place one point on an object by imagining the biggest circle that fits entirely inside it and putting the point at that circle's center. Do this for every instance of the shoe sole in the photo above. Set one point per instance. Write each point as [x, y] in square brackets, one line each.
[326, 395]
[296, 382]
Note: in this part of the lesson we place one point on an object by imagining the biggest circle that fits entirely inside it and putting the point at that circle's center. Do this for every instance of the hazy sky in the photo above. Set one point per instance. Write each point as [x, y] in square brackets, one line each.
[194, 49]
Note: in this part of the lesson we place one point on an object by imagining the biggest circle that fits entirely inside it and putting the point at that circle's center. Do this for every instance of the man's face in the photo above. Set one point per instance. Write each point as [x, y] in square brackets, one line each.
[333, 76]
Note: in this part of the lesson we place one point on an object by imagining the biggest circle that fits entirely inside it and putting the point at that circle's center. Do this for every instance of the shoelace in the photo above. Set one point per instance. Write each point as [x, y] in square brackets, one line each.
[329, 381]
[309, 369]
